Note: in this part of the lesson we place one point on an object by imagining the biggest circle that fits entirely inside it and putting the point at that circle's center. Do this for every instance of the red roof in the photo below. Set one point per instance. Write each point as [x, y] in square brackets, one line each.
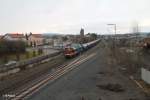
[16, 35]
[37, 35]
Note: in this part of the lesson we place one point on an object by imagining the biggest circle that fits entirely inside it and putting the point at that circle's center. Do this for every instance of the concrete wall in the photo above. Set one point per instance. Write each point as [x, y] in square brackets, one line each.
[145, 74]
[32, 61]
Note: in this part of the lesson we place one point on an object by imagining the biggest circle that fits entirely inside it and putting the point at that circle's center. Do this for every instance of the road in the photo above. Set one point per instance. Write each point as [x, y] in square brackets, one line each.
[82, 82]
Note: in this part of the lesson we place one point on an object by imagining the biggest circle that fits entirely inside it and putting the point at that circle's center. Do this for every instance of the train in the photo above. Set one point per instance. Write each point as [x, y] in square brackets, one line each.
[75, 49]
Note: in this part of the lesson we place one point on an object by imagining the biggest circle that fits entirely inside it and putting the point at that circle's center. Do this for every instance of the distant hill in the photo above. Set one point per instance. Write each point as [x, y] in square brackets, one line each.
[50, 34]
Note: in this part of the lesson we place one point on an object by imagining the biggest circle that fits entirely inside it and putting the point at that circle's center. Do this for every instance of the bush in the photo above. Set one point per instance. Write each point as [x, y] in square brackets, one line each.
[34, 53]
[40, 51]
[11, 47]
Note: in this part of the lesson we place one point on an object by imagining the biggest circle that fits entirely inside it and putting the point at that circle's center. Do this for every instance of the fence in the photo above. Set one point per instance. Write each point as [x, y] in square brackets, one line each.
[4, 68]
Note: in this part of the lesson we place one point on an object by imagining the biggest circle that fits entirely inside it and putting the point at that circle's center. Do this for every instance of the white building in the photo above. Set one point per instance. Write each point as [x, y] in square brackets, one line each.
[35, 39]
[14, 37]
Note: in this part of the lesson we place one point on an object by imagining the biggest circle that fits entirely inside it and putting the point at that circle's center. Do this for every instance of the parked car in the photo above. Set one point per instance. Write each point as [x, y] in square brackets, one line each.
[10, 63]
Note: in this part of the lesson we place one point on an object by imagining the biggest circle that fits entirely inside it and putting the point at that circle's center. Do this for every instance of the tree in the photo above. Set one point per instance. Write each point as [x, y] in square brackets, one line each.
[40, 51]
[94, 35]
[19, 48]
[54, 37]
[27, 55]
[10, 47]
[3, 48]
[34, 53]
[31, 44]
[26, 36]
[34, 44]
[64, 38]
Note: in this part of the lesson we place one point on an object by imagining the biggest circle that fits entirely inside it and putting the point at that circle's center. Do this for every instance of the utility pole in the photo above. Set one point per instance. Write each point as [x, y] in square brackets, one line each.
[115, 29]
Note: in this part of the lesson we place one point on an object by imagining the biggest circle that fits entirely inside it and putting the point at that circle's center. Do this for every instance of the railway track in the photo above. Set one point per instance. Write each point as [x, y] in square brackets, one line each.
[27, 79]
[27, 90]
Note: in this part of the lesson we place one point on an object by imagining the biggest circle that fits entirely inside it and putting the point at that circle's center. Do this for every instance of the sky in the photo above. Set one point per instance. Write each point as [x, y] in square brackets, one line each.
[69, 16]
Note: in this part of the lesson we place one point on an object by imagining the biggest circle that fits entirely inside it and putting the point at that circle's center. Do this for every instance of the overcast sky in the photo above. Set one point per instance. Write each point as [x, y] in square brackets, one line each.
[68, 16]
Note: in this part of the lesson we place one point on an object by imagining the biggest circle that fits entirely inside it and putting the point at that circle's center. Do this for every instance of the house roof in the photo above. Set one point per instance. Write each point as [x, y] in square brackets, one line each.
[36, 35]
[15, 35]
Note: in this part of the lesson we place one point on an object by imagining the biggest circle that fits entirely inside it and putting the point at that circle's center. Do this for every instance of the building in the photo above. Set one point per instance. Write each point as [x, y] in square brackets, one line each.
[57, 42]
[14, 37]
[35, 39]
[1, 37]
[82, 32]
[48, 41]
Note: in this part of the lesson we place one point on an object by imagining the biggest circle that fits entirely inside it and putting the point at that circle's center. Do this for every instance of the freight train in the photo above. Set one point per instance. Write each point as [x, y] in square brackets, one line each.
[75, 49]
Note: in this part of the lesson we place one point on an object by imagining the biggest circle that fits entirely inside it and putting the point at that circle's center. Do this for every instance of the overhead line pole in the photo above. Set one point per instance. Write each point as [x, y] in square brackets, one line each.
[115, 29]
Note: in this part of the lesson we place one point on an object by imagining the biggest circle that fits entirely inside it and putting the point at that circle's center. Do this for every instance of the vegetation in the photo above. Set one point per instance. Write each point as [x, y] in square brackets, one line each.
[11, 47]
[128, 57]
[40, 51]
[16, 50]
[93, 36]
[64, 38]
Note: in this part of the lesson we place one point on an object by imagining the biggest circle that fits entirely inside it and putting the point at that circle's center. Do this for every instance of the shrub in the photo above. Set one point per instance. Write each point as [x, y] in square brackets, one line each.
[11, 47]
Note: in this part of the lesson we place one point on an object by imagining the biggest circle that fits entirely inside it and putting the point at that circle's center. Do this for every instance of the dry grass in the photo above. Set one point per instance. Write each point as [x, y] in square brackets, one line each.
[128, 58]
